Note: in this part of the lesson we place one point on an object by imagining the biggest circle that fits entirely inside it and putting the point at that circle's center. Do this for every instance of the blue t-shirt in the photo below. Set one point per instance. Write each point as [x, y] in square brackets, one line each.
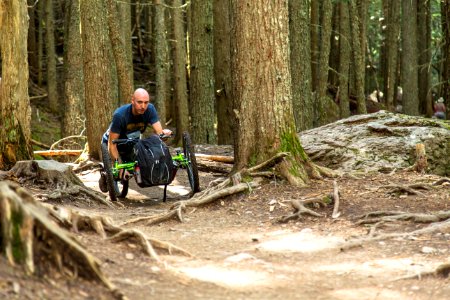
[124, 122]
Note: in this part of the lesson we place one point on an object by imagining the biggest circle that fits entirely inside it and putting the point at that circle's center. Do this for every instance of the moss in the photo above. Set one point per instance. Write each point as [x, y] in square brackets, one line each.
[16, 243]
[291, 143]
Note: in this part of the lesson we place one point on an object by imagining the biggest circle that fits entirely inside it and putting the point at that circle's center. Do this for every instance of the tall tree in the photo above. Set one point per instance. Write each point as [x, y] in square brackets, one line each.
[124, 8]
[99, 86]
[409, 77]
[315, 25]
[222, 72]
[445, 15]
[52, 78]
[299, 32]
[324, 54]
[392, 42]
[161, 59]
[201, 80]
[358, 58]
[124, 67]
[15, 112]
[344, 58]
[74, 115]
[179, 70]
[424, 56]
[262, 87]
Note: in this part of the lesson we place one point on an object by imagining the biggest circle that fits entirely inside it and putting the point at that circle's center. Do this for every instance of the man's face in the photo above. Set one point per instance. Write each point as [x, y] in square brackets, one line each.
[140, 104]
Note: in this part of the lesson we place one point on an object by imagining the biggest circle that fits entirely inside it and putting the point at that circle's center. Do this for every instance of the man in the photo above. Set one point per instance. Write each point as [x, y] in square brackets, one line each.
[439, 109]
[130, 121]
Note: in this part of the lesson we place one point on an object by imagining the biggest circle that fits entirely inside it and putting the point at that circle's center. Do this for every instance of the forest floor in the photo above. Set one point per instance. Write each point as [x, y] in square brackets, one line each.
[240, 251]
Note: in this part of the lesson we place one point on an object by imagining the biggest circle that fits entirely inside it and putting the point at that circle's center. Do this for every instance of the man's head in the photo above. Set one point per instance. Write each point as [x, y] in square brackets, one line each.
[139, 101]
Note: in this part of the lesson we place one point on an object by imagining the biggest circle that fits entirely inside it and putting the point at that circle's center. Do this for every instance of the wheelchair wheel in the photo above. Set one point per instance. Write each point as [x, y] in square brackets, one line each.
[192, 171]
[115, 189]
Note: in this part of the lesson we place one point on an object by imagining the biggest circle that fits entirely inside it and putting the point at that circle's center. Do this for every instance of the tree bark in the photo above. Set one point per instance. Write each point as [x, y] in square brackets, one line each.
[124, 68]
[344, 60]
[445, 16]
[74, 113]
[358, 58]
[424, 59]
[52, 79]
[324, 55]
[179, 70]
[409, 77]
[222, 72]
[299, 31]
[201, 82]
[161, 60]
[15, 112]
[392, 42]
[100, 99]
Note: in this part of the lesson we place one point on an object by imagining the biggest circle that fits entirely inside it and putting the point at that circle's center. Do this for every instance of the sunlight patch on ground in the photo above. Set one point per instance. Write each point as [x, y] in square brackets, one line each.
[375, 267]
[228, 277]
[367, 293]
[90, 179]
[304, 241]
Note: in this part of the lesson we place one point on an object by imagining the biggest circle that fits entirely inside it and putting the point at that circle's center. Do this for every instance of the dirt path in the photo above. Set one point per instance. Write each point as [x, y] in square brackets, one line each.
[240, 253]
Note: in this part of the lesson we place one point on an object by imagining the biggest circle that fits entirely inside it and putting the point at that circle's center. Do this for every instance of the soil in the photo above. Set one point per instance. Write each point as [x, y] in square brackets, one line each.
[240, 251]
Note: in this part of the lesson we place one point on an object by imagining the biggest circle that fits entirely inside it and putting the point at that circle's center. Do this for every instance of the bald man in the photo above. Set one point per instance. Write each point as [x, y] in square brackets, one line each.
[130, 121]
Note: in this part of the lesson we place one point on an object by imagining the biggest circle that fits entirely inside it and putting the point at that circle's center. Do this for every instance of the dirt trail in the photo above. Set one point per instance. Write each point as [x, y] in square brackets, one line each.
[241, 253]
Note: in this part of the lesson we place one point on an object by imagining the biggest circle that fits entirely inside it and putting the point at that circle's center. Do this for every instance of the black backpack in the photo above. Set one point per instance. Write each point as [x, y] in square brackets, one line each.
[154, 161]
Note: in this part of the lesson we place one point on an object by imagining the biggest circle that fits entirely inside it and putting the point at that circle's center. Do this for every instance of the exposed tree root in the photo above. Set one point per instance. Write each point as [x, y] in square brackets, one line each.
[443, 270]
[217, 191]
[104, 226]
[443, 226]
[29, 237]
[410, 189]
[300, 209]
[402, 216]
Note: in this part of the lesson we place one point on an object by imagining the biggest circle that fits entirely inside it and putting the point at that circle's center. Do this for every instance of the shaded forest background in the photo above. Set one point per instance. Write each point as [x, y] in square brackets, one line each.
[346, 57]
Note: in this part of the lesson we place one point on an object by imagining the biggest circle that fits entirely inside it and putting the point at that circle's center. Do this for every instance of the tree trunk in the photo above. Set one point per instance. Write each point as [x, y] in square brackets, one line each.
[324, 55]
[222, 72]
[266, 127]
[74, 114]
[179, 71]
[424, 51]
[299, 31]
[100, 100]
[161, 60]
[32, 41]
[52, 81]
[124, 8]
[409, 76]
[41, 15]
[315, 19]
[358, 58]
[445, 9]
[344, 60]
[201, 83]
[124, 69]
[15, 112]
[392, 32]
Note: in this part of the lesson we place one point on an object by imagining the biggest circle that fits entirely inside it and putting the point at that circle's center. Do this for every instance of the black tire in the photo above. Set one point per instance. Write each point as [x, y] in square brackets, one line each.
[192, 170]
[115, 189]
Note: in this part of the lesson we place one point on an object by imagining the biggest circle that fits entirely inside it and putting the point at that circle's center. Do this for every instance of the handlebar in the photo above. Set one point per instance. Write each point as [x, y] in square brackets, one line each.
[162, 136]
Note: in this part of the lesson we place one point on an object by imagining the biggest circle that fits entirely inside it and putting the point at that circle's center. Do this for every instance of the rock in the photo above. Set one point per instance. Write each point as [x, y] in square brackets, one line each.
[380, 142]
[428, 250]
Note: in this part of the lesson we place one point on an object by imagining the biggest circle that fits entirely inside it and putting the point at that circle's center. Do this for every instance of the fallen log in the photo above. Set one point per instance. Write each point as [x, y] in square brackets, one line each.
[218, 158]
[58, 152]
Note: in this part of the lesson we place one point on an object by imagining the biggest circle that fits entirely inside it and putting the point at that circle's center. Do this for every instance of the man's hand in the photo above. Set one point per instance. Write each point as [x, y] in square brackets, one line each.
[167, 132]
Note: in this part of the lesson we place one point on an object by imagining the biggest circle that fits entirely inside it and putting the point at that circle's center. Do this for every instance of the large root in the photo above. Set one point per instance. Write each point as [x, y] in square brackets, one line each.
[31, 238]
[104, 227]
[58, 176]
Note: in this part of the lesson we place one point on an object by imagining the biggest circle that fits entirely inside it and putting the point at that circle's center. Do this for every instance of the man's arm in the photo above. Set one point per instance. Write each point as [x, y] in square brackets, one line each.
[112, 148]
[158, 129]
